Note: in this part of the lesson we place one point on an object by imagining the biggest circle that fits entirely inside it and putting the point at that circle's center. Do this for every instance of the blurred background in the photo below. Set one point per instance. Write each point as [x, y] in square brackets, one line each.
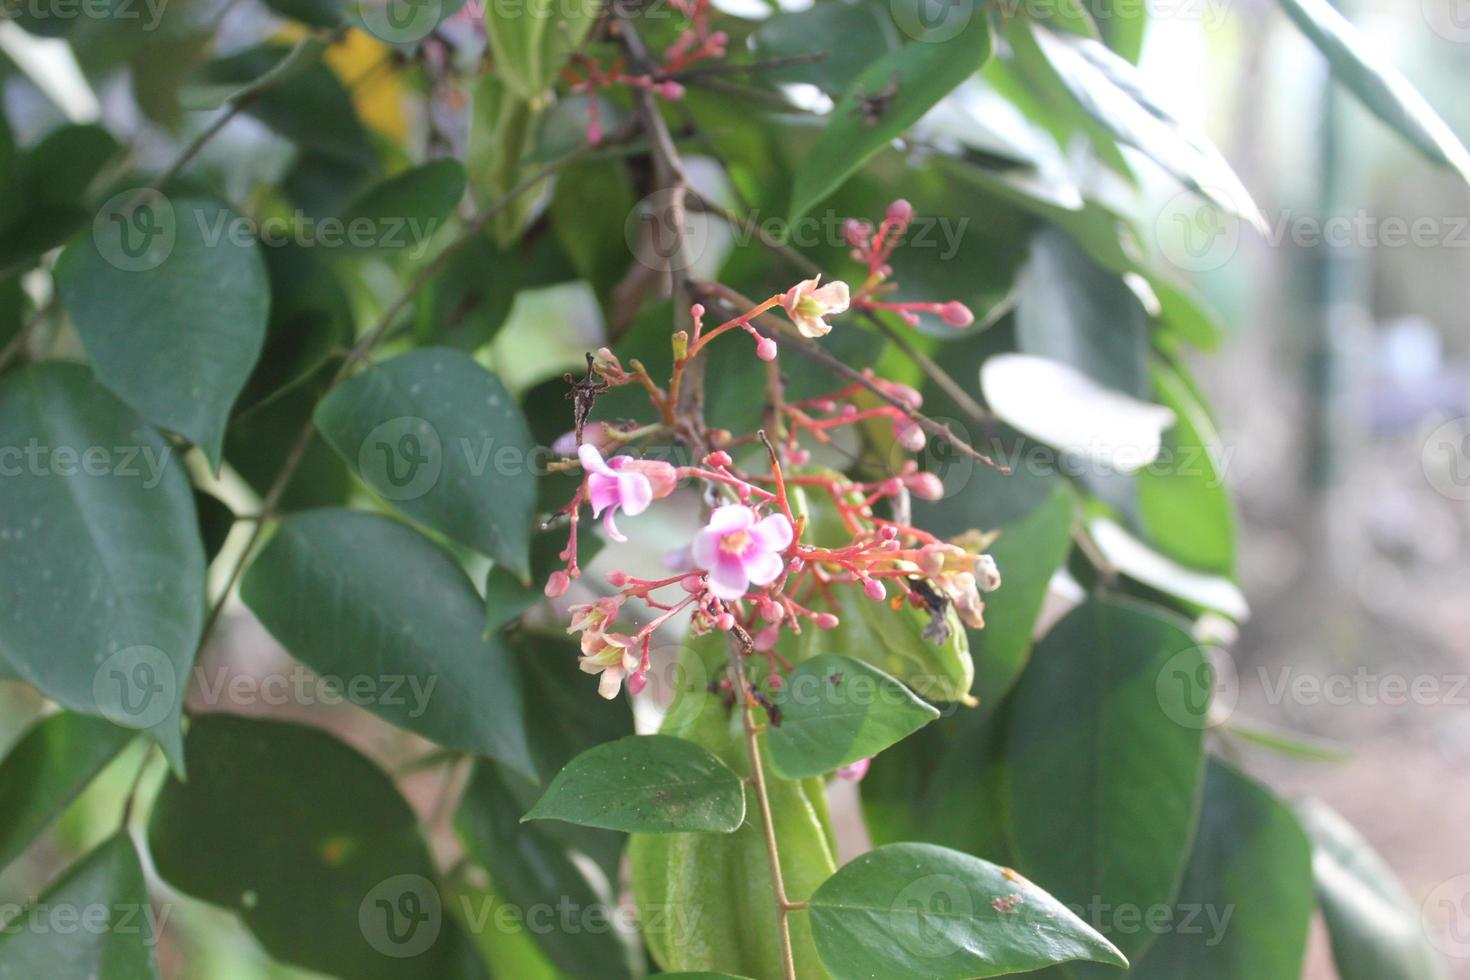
[1342, 394]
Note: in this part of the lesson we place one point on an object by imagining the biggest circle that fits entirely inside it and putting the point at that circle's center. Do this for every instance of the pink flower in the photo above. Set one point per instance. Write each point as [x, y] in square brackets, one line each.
[739, 551]
[623, 482]
[613, 659]
[807, 303]
[854, 771]
[592, 619]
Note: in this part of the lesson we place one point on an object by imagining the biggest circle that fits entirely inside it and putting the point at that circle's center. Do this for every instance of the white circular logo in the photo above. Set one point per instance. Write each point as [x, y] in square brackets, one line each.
[401, 458]
[136, 687]
[932, 21]
[401, 916]
[1450, 19]
[400, 21]
[1445, 459]
[1198, 688]
[136, 230]
[1445, 916]
[1195, 235]
[663, 238]
[931, 901]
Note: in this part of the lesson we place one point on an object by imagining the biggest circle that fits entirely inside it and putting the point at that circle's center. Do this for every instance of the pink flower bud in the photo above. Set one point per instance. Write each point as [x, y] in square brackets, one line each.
[888, 532]
[693, 584]
[800, 457]
[910, 434]
[772, 612]
[891, 486]
[637, 681]
[926, 486]
[557, 584]
[671, 90]
[901, 392]
[719, 458]
[724, 622]
[826, 621]
[776, 682]
[617, 579]
[594, 132]
[697, 311]
[956, 314]
[766, 638]
[874, 589]
[900, 212]
[766, 349]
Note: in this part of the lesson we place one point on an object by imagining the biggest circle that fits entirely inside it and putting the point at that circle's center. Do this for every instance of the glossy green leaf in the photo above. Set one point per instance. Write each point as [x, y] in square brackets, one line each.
[402, 213]
[170, 301]
[101, 562]
[1365, 71]
[835, 710]
[1250, 877]
[116, 944]
[309, 843]
[888, 97]
[532, 871]
[51, 764]
[330, 587]
[1376, 930]
[1105, 758]
[810, 33]
[531, 41]
[916, 910]
[441, 438]
[647, 784]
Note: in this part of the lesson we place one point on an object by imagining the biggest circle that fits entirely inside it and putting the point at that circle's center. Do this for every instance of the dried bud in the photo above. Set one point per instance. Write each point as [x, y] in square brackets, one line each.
[681, 345]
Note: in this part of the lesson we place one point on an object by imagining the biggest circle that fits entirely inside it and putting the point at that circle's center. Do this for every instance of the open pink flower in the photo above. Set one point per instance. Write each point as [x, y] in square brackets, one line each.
[623, 482]
[807, 303]
[739, 551]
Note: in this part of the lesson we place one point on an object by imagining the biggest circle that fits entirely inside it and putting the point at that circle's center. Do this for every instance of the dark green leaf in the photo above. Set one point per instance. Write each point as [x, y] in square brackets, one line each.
[916, 910]
[470, 299]
[1104, 763]
[1250, 878]
[650, 784]
[259, 442]
[215, 521]
[171, 304]
[590, 211]
[887, 98]
[103, 571]
[50, 765]
[1375, 929]
[308, 842]
[816, 31]
[834, 711]
[440, 436]
[1357, 64]
[330, 587]
[403, 212]
[116, 946]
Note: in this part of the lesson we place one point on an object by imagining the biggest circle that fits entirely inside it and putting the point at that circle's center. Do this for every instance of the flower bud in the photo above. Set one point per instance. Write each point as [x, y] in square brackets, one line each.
[775, 681]
[772, 612]
[617, 579]
[826, 621]
[557, 584]
[910, 434]
[766, 638]
[693, 584]
[900, 392]
[637, 681]
[874, 589]
[926, 486]
[681, 345]
[719, 458]
[724, 622]
[956, 314]
[900, 212]
[766, 349]
[671, 90]
[854, 771]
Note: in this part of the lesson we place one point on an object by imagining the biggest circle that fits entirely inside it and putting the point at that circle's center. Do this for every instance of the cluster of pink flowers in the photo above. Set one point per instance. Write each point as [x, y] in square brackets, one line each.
[749, 569]
[873, 247]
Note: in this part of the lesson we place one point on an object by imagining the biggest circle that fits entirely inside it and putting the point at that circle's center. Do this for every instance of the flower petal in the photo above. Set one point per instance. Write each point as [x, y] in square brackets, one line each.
[603, 492]
[763, 567]
[705, 549]
[611, 682]
[612, 529]
[772, 533]
[811, 327]
[833, 296]
[636, 492]
[728, 579]
[592, 460]
[731, 517]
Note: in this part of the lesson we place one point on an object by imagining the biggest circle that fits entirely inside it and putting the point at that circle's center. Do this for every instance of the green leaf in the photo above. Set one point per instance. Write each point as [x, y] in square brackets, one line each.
[916, 910]
[118, 946]
[441, 438]
[330, 587]
[259, 441]
[589, 214]
[648, 784]
[101, 562]
[531, 870]
[403, 212]
[309, 843]
[918, 75]
[171, 305]
[1375, 928]
[1028, 552]
[1182, 500]
[1250, 875]
[836, 710]
[811, 32]
[471, 298]
[507, 597]
[1357, 64]
[1104, 765]
[531, 41]
[48, 767]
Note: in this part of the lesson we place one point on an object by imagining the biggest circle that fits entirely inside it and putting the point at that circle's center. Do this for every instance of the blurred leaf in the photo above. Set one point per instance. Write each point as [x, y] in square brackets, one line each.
[850, 35]
[919, 910]
[1104, 777]
[1182, 499]
[120, 947]
[330, 587]
[171, 306]
[835, 710]
[1140, 562]
[406, 210]
[1358, 65]
[531, 870]
[1375, 928]
[158, 74]
[471, 297]
[439, 436]
[589, 213]
[51, 182]
[1250, 875]
[531, 41]
[102, 565]
[887, 98]
[317, 13]
[215, 522]
[309, 843]
[47, 768]
[647, 784]
[500, 134]
[258, 443]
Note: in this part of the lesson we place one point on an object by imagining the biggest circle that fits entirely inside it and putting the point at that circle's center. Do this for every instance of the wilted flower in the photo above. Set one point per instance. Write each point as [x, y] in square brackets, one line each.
[739, 551]
[807, 303]
[961, 575]
[614, 659]
[623, 482]
[591, 619]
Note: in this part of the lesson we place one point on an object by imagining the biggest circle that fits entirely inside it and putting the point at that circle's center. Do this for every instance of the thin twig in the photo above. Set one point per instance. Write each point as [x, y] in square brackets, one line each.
[745, 68]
